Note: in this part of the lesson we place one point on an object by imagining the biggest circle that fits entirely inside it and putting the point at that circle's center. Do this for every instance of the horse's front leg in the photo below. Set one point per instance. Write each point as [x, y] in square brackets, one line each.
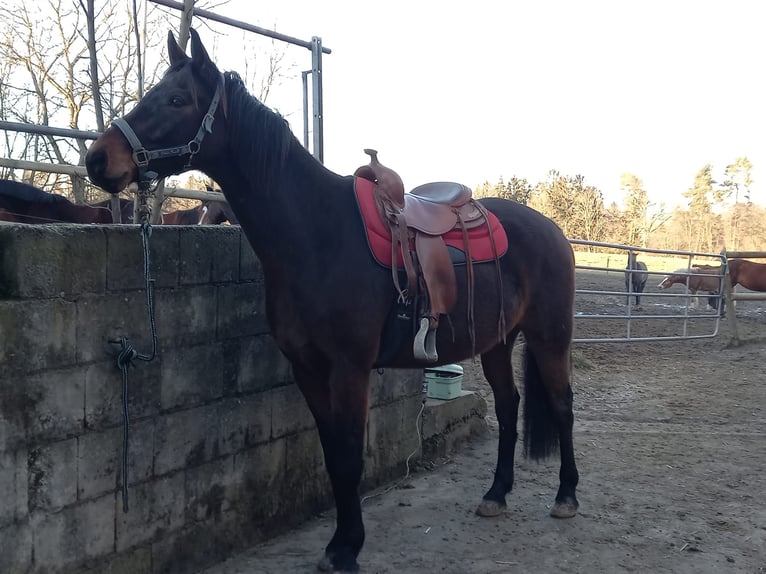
[339, 404]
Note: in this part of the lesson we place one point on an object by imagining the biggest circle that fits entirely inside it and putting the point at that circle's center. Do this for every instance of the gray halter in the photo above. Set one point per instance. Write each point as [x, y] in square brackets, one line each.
[142, 156]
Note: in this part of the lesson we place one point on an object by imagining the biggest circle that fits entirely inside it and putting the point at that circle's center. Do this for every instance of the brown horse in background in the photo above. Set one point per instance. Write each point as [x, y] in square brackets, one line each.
[749, 274]
[24, 203]
[332, 308]
[705, 278]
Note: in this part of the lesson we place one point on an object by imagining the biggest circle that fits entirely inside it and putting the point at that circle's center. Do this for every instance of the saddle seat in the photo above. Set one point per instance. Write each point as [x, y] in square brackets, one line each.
[435, 208]
[416, 221]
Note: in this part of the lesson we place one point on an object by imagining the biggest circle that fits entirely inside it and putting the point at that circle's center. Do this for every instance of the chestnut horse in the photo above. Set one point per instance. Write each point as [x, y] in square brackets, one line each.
[24, 203]
[329, 302]
[749, 274]
[705, 278]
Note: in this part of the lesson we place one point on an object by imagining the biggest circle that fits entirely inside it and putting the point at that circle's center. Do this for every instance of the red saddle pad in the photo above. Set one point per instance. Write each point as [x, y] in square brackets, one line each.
[379, 238]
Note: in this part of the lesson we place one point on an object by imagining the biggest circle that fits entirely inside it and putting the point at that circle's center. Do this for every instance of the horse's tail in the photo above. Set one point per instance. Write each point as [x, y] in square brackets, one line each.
[541, 437]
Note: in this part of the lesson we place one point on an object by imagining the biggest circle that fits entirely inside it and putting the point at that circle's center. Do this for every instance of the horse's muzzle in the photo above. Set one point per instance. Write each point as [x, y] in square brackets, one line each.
[110, 163]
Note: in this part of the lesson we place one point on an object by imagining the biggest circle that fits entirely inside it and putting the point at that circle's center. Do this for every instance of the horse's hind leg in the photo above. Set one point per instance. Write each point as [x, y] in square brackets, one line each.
[548, 416]
[339, 406]
[498, 371]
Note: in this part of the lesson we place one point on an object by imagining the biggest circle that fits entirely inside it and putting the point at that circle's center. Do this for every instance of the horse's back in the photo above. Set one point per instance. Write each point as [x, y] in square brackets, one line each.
[26, 192]
[540, 259]
[527, 227]
[749, 274]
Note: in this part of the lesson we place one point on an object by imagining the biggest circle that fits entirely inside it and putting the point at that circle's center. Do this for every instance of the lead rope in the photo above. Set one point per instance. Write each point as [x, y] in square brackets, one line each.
[128, 353]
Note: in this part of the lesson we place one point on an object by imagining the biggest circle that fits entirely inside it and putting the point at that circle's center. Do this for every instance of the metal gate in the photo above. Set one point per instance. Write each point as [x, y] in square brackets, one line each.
[606, 306]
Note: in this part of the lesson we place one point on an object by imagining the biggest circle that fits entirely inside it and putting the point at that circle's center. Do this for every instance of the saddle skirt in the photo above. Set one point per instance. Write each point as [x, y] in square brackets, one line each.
[379, 238]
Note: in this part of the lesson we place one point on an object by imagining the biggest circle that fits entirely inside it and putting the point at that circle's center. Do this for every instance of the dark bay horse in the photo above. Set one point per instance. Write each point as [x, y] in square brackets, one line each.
[749, 274]
[635, 278]
[24, 203]
[329, 302]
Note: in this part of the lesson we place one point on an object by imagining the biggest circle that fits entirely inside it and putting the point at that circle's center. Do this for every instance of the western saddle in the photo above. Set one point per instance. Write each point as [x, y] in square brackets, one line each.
[416, 221]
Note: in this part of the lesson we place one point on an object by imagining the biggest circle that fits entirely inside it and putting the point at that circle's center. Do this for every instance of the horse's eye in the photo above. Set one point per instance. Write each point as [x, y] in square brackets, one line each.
[176, 101]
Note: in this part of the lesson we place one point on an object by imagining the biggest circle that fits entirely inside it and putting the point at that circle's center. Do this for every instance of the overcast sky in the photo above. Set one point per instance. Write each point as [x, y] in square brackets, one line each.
[471, 91]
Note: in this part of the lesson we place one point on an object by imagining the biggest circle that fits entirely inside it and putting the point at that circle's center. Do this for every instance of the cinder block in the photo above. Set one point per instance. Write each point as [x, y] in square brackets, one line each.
[15, 406]
[185, 316]
[156, 509]
[100, 458]
[245, 422]
[134, 561]
[53, 403]
[13, 488]
[304, 455]
[73, 535]
[209, 254]
[16, 548]
[394, 384]
[53, 475]
[250, 268]
[191, 375]
[36, 335]
[98, 461]
[254, 364]
[104, 318]
[262, 473]
[241, 311]
[289, 412]
[202, 544]
[103, 393]
[186, 439]
[125, 257]
[44, 261]
[440, 415]
[211, 490]
[392, 436]
[306, 489]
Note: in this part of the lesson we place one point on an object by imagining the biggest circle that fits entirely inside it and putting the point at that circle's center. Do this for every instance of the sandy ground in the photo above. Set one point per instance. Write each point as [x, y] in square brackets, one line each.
[670, 443]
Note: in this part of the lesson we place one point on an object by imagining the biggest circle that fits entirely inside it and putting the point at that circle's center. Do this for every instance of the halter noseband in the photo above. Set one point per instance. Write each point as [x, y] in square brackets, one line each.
[142, 156]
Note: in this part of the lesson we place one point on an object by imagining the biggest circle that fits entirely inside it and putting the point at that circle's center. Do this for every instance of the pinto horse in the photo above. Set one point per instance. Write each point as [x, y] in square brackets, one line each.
[329, 301]
[635, 278]
[705, 278]
[24, 203]
[749, 274]
[207, 213]
[127, 207]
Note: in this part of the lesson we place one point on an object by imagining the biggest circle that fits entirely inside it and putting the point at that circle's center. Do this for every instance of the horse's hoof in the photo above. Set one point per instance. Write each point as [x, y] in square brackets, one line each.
[326, 565]
[564, 510]
[490, 508]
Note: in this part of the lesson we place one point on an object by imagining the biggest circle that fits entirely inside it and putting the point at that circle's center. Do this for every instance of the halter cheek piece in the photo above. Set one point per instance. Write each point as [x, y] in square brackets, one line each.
[142, 156]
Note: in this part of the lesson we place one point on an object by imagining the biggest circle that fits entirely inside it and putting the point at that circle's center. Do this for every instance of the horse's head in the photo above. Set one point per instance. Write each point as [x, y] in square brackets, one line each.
[170, 130]
[678, 276]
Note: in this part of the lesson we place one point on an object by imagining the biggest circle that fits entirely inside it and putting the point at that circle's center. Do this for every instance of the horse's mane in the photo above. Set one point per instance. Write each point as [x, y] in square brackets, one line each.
[29, 193]
[261, 137]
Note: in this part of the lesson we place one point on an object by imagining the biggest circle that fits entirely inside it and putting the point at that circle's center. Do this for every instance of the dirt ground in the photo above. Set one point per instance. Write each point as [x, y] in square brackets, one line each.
[670, 443]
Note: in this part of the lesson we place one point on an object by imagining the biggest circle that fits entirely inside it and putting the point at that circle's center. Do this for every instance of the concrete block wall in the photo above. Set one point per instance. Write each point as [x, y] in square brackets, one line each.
[223, 450]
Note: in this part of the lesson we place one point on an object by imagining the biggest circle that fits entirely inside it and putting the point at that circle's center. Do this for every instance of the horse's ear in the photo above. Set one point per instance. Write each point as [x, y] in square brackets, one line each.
[175, 53]
[199, 55]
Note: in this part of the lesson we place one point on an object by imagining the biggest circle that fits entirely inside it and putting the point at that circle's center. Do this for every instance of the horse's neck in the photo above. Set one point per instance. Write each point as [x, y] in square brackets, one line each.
[304, 202]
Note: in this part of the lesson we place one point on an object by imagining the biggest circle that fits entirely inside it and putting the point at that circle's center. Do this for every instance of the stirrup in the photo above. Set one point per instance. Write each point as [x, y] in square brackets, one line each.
[424, 345]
